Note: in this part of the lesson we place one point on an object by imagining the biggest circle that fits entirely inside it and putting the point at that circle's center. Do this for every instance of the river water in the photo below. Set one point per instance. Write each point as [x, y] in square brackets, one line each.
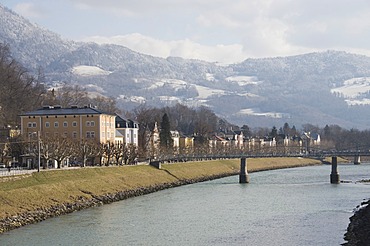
[295, 206]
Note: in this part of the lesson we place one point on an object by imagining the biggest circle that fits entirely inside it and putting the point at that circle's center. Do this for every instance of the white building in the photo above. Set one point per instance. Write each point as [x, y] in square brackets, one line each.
[127, 131]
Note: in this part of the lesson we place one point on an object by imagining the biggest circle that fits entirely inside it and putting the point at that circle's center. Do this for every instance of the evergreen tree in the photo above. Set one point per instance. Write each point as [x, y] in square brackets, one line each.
[273, 133]
[246, 130]
[165, 137]
[286, 129]
[327, 131]
[294, 131]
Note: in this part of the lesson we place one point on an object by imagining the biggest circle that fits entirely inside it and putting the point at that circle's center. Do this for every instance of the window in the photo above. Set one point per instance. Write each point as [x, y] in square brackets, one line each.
[47, 124]
[74, 123]
[74, 134]
[65, 134]
[90, 134]
[56, 124]
[90, 123]
[65, 124]
[31, 125]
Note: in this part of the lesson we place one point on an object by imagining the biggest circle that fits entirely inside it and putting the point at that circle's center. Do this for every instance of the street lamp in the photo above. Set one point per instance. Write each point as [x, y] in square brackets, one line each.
[39, 151]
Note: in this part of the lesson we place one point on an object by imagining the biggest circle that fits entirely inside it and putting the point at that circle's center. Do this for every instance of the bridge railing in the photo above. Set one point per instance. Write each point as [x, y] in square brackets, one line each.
[317, 154]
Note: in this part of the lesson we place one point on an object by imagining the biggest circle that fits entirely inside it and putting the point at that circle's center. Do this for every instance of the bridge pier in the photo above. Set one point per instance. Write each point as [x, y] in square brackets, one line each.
[243, 175]
[156, 164]
[357, 160]
[334, 176]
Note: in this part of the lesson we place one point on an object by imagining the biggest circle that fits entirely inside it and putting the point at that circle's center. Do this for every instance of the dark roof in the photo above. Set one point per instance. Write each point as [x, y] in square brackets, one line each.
[58, 110]
[122, 122]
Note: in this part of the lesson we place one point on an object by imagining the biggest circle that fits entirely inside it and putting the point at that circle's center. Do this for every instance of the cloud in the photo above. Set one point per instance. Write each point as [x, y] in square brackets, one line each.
[179, 48]
[217, 30]
[28, 10]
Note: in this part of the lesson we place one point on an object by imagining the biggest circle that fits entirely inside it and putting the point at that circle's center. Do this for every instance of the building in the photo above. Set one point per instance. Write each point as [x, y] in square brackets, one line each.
[74, 122]
[154, 142]
[127, 131]
[186, 142]
[175, 135]
[235, 138]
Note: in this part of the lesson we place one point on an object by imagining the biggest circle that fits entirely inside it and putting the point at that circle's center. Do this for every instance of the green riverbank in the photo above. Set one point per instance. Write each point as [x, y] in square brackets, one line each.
[32, 198]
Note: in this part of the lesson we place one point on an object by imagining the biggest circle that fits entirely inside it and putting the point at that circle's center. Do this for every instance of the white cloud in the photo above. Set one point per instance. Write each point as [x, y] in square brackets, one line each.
[28, 10]
[180, 48]
[218, 30]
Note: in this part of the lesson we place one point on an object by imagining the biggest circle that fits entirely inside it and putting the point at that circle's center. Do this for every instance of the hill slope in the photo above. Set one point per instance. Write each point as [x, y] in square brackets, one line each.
[319, 88]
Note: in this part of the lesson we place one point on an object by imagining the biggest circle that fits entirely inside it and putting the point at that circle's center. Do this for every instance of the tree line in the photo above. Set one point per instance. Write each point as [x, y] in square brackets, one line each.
[21, 92]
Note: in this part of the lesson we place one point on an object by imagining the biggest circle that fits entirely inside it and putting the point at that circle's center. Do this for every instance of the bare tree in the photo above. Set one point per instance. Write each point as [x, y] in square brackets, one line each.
[63, 148]
[131, 154]
[107, 104]
[46, 148]
[19, 92]
[146, 118]
[85, 149]
[67, 95]
[118, 152]
[108, 152]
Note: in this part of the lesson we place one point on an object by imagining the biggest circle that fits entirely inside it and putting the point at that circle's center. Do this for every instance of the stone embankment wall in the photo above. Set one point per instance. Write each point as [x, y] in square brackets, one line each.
[358, 231]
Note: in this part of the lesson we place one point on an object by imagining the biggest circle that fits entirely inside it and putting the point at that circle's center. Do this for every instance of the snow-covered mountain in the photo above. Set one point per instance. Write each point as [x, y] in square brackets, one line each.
[319, 88]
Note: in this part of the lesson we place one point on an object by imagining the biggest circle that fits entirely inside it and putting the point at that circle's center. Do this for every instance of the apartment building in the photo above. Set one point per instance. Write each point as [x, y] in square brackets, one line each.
[75, 122]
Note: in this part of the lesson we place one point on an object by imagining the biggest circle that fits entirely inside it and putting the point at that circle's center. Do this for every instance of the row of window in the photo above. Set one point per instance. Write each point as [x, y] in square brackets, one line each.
[108, 134]
[89, 134]
[65, 124]
[108, 124]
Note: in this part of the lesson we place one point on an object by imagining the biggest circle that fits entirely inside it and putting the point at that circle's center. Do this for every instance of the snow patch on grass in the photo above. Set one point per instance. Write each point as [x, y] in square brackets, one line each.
[244, 80]
[256, 112]
[354, 90]
[89, 71]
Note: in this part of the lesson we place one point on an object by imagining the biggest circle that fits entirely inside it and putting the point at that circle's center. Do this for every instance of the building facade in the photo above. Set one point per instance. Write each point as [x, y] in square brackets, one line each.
[78, 123]
[127, 131]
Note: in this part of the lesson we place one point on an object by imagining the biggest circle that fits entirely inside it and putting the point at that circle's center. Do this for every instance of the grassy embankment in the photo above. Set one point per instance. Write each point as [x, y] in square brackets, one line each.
[48, 188]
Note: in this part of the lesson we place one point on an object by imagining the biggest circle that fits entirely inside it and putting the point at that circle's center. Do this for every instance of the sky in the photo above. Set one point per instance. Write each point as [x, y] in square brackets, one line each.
[221, 31]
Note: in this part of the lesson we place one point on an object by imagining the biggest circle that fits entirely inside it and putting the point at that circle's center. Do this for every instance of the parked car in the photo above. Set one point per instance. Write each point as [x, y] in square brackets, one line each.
[2, 165]
[15, 164]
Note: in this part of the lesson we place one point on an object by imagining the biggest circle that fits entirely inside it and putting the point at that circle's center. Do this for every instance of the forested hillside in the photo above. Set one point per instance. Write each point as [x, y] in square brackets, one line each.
[319, 88]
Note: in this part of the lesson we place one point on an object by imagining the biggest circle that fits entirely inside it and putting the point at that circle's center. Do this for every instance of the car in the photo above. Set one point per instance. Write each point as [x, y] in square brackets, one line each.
[2, 165]
[15, 164]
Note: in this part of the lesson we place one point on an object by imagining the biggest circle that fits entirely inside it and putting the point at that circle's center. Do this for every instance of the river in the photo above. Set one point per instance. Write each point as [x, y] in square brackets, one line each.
[295, 206]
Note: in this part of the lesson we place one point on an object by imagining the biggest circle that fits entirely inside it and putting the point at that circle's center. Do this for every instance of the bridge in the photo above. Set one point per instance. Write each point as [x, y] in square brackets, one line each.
[315, 154]
[243, 174]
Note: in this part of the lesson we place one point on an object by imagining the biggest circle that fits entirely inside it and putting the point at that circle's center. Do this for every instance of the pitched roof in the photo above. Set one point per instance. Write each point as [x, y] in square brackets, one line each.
[58, 110]
[122, 122]
[119, 134]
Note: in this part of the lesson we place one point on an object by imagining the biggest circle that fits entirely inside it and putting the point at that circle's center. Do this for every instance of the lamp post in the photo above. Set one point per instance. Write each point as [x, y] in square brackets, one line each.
[39, 151]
